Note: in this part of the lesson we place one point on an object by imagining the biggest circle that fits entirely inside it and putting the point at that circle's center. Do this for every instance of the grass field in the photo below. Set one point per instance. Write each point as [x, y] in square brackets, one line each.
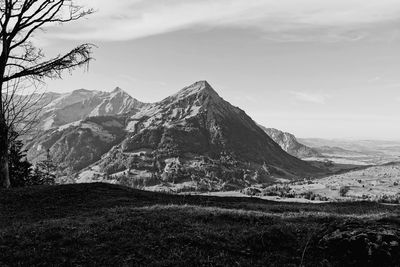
[110, 225]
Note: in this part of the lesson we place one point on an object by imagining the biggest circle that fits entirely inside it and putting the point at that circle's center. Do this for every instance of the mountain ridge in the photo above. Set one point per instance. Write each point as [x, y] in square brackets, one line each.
[193, 136]
[290, 143]
[62, 109]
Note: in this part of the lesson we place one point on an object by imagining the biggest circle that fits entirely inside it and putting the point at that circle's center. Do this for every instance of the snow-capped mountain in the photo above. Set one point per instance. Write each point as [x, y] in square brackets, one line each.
[193, 136]
[289, 143]
[61, 109]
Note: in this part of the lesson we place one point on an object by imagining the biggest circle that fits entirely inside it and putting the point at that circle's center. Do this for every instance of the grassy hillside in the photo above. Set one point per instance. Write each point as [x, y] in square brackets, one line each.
[103, 225]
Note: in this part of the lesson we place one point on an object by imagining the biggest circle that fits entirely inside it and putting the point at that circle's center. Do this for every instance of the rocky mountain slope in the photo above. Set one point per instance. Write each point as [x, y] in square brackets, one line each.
[61, 109]
[193, 137]
[77, 145]
[289, 143]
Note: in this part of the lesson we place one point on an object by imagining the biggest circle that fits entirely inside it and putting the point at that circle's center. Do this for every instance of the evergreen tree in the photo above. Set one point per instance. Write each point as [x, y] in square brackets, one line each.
[19, 167]
[21, 171]
[44, 172]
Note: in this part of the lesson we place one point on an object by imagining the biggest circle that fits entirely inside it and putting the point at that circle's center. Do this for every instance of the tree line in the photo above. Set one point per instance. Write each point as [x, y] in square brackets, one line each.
[22, 173]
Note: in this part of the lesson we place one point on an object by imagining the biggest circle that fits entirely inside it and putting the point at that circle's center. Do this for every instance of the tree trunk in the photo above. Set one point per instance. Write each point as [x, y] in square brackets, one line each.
[4, 171]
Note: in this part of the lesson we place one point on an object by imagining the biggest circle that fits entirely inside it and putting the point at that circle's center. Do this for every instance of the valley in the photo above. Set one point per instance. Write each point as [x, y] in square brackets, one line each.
[357, 152]
[376, 184]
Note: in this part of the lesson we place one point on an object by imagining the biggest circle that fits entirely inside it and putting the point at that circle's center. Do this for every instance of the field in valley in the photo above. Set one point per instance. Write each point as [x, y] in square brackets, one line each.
[355, 152]
[376, 183]
[362, 170]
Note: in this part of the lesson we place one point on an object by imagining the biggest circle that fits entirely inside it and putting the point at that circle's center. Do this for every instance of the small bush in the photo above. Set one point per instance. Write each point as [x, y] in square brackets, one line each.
[251, 191]
[344, 190]
[391, 199]
[279, 190]
[309, 195]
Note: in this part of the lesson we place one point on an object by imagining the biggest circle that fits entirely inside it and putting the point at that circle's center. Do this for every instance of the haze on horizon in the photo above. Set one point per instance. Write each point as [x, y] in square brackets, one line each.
[326, 69]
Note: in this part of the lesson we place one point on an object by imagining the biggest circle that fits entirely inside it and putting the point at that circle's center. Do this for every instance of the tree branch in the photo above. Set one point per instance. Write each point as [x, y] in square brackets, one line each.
[80, 56]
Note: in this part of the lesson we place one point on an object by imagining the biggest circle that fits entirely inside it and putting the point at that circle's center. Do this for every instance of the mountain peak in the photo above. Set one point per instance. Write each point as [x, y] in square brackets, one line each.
[82, 91]
[117, 90]
[203, 83]
[200, 87]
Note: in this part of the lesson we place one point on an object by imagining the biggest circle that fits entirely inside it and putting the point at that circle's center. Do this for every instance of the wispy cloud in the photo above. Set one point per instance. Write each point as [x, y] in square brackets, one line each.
[375, 79]
[310, 97]
[289, 20]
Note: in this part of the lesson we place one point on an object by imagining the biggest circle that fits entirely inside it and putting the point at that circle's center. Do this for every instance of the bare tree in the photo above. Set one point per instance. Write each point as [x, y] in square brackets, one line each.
[22, 104]
[22, 64]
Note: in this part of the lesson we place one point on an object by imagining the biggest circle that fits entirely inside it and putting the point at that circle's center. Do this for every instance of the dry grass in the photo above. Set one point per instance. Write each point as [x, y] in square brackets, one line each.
[103, 225]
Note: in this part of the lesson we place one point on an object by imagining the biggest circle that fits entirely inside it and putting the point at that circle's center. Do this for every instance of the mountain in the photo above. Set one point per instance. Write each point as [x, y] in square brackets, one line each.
[61, 109]
[289, 143]
[193, 137]
[77, 145]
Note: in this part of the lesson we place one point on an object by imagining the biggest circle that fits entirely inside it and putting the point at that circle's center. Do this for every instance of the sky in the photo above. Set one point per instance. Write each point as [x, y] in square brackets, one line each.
[315, 68]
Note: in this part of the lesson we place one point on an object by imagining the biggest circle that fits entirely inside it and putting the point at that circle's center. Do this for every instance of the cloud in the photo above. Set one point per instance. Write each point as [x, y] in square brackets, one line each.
[287, 20]
[315, 98]
[375, 79]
